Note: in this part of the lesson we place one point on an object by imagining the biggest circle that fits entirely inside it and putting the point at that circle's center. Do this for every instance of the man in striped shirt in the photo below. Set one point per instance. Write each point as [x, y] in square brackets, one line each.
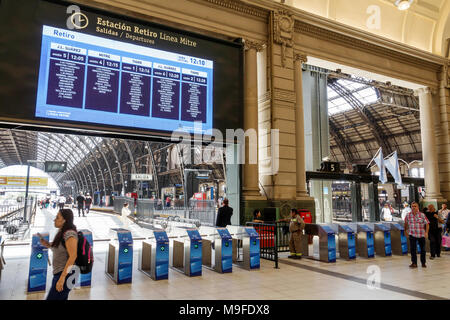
[417, 227]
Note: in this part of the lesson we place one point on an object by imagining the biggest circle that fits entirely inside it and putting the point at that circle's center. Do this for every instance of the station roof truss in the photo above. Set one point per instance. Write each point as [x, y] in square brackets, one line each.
[105, 164]
[365, 115]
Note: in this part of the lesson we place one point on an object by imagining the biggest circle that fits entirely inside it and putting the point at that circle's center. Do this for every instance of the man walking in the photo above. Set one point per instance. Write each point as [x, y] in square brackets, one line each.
[80, 202]
[224, 215]
[417, 227]
[88, 202]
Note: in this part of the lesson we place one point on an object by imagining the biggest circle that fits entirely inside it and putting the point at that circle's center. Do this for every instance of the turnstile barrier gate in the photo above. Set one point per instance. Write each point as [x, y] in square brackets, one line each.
[154, 256]
[119, 260]
[2, 260]
[327, 244]
[37, 274]
[187, 254]
[399, 242]
[221, 261]
[347, 242]
[86, 279]
[250, 240]
[382, 236]
[365, 241]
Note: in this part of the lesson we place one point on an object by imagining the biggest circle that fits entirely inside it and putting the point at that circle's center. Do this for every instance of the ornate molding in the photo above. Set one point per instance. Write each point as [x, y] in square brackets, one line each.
[425, 90]
[250, 44]
[283, 31]
[240, 7]
[345, 40]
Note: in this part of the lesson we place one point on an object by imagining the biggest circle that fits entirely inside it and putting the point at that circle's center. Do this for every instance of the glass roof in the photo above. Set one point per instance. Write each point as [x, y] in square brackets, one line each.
[364, 93]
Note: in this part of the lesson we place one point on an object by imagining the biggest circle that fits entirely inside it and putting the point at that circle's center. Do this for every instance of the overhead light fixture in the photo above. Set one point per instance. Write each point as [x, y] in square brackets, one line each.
[403, 4]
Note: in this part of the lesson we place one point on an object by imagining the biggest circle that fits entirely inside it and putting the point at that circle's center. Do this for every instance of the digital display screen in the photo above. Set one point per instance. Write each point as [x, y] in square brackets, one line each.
[92, 79]
[116, 74]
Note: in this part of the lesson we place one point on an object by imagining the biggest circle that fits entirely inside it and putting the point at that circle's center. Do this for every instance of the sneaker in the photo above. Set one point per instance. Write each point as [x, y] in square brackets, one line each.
[424, 265]
[413, 265]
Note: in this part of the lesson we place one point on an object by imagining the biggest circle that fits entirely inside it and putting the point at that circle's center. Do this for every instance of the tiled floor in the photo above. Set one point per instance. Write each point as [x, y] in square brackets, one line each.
[299, 279]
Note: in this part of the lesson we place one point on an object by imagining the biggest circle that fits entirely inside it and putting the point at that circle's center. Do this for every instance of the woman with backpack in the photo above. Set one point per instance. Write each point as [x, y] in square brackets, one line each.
[64, 248]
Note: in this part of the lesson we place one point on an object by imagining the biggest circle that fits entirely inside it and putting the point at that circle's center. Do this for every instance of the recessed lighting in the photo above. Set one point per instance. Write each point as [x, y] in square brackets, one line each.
[403, 4]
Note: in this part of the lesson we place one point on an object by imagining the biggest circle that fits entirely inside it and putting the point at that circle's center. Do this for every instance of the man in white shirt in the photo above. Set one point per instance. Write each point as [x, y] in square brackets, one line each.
[387, 215]
[406, 210]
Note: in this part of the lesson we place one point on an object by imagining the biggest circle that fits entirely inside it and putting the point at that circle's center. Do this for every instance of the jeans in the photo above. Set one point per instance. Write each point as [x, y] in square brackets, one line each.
[413, 246]
[82, 209]
[64, 294]
[435, 237]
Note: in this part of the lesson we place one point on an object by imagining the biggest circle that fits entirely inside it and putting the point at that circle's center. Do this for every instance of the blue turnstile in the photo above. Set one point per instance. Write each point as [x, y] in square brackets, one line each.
[119, 262]
[327, 244]
[382, 235]
[399, 242]
[347, 242]
[187, 254]
[251, 251]
[85, 279]
[223, 251]
[154, 256]
[365, 245]
[37, 274]
[2, 260]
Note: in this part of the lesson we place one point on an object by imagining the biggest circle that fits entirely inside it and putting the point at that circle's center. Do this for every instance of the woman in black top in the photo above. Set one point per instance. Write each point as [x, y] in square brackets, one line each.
[435, 233]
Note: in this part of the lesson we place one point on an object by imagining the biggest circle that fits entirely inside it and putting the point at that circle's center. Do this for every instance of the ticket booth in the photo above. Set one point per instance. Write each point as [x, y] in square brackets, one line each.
[187, 254]
[85, 279]
[119, 259]
[37, 274]
[154, 256]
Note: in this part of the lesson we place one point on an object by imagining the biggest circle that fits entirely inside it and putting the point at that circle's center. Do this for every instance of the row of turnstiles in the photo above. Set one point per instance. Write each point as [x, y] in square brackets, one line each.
[348, 240]
[186, 251]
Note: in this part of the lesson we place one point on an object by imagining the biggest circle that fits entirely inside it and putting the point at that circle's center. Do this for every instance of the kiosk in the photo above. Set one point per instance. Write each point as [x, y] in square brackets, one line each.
[221, 261]
[154, 256]
[187, 254]
[85, 279]
[382, 237]
[37, 275]
[399, 242]
[119, 260]
[347, 242]
[365, 241]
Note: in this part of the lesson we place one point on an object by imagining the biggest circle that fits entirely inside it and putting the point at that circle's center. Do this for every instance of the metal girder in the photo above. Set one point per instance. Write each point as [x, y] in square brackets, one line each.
[340, 141]
[155, 173]
[99, 149]
[82, 139]
[117, 161]
[365, 115]
[82, 162]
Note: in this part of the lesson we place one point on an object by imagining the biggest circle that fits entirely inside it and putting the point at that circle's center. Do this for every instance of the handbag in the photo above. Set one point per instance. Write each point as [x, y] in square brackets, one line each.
[446, 240]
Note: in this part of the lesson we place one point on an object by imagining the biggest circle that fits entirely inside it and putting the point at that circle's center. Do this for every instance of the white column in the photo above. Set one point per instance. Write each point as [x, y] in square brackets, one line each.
[429, 150]
[251, 173]
[299, 127]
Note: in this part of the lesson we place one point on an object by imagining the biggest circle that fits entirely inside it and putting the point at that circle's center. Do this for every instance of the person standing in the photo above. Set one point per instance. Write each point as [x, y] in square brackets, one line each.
[417, 227]
[64, 248]
[406, 209]
[443, 214]
[88, 203]
[61, 202]
[387, 214]
[80, 203]
[296, 226]
[224, 215]
[125, 213]
[257, 216]
[435, 234]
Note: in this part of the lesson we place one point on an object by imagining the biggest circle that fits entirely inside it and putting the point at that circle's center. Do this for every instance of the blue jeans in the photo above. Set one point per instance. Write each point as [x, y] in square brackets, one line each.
[64, 294]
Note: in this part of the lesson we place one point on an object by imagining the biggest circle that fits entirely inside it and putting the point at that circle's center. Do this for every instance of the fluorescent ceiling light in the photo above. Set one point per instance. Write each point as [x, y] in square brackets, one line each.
[403, 4]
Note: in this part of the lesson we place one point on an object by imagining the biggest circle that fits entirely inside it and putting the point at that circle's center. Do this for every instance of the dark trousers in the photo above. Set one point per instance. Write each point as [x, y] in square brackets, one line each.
[61, 205]
[87, 209]
[413, 245]
[435, 237]
[64, 294]
[80, 208]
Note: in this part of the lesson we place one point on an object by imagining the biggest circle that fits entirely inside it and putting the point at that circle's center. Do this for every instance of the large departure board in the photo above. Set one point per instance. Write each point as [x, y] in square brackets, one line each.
[92, 79]
[65, 66]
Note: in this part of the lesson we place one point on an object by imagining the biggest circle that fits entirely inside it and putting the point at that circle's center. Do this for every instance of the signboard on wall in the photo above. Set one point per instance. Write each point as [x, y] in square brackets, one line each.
[21, 181]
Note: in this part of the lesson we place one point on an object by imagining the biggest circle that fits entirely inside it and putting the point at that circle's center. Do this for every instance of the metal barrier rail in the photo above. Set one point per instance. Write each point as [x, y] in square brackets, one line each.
[119, 201]
[17, 220]
[283, 236]
[267, 240]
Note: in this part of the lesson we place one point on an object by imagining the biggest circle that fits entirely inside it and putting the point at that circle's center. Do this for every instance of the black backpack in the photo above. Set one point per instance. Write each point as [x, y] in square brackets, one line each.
[85, 256]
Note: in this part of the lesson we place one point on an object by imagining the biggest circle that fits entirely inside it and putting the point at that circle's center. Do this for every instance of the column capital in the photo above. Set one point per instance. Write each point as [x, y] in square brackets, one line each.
[425, 90]
[298, 56]
[250, 44]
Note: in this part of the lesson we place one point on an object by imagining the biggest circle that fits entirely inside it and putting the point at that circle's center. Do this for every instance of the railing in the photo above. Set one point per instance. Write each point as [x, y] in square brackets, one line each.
[119, 201]
[17, 221]
[267, 240]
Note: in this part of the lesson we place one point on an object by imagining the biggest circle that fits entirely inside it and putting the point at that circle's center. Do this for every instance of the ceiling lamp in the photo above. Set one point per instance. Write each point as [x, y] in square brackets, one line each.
[403, 4]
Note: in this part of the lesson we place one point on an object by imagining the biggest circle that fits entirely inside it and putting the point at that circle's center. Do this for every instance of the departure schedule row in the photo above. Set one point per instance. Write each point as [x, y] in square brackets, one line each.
[88, 79]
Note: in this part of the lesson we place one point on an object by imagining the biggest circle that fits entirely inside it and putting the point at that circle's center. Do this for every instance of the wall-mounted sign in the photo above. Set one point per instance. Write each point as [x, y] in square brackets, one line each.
[141, 177]
[21, 181]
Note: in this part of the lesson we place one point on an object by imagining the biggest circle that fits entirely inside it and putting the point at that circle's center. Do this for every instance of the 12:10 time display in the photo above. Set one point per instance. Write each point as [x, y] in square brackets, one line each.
[198, 62]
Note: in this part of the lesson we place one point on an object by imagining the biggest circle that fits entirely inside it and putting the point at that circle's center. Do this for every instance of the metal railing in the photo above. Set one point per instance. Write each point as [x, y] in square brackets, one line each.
[267, 240]
[119, 201]
[17, 222]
